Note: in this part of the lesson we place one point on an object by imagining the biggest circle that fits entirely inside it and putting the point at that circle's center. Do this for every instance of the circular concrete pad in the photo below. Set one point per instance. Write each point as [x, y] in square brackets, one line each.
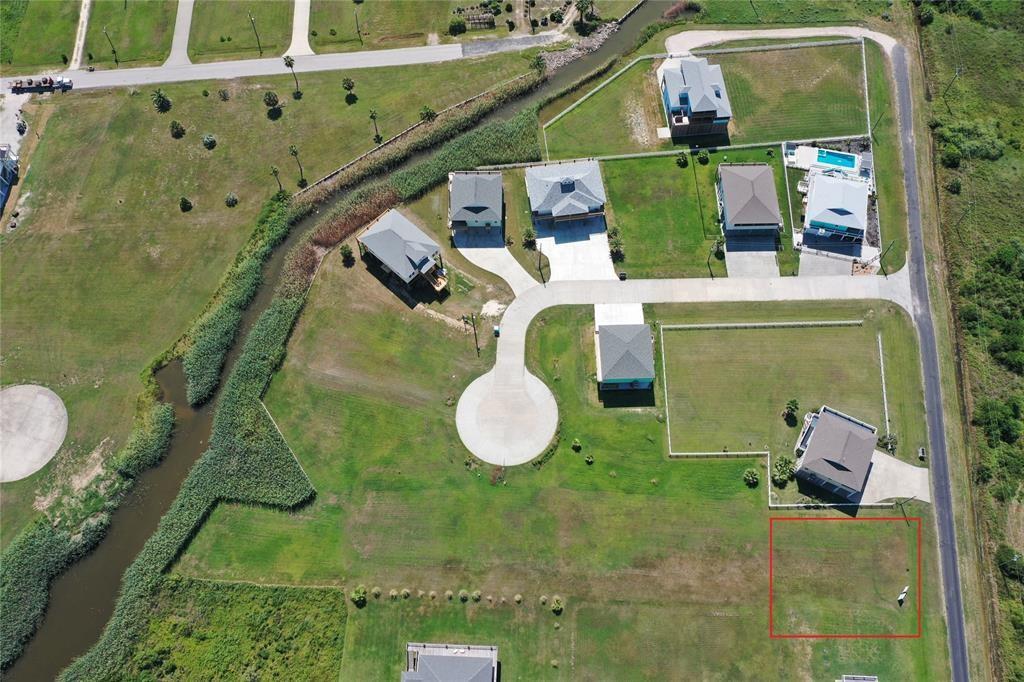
[507, 421]
[33, 423]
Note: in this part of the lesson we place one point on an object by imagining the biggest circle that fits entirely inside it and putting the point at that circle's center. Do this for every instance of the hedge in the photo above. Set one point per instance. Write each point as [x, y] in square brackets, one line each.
[208, 341]
[53, 542]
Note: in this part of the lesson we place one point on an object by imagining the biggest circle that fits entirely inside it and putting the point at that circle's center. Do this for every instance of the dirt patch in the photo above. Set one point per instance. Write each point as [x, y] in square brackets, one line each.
[433, 39]
[93, 465]
[639, 126]
[442, 318]
[493, 308]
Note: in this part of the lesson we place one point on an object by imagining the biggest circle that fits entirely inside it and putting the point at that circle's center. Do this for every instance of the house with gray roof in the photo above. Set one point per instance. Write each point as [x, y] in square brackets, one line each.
[837, 207]
[475, 200]
[694, 96]
[625, 356]
[403, 250]
[565, 191]
[450, 663]
[747, 201]
[834, 451]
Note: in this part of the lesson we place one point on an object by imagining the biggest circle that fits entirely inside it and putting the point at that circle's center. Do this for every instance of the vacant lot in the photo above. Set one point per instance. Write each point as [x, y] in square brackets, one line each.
[35, 35]
[104, 271]
[727, 388]
[140, 31]
[382, 25]
[873, 560]
[207, 630]
[650, 556]
[223, 30]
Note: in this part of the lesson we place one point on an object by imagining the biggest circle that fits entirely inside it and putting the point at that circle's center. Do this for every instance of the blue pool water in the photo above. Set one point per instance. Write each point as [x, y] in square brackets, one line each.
[836, 158]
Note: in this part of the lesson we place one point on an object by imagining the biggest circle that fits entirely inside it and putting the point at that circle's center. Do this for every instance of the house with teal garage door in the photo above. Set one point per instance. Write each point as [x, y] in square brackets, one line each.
[625, 357]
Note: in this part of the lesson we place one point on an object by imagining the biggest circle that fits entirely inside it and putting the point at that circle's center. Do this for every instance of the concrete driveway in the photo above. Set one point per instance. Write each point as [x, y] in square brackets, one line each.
[486, 249]
[890, 478]
[751, 258]
[813, 265]
[577, 250]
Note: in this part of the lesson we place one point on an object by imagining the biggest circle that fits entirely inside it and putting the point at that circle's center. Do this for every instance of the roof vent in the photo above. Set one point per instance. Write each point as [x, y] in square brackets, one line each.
[567, 185]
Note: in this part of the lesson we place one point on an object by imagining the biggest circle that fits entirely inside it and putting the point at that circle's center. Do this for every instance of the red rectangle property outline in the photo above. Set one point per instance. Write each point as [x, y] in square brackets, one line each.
[771, 620]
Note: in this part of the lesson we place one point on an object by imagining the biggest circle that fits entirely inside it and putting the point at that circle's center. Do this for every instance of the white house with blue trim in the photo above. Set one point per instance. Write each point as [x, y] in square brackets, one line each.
[837, 207]
[694, 96]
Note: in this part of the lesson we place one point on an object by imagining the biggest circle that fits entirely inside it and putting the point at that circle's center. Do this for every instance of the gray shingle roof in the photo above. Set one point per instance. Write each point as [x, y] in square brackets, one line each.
[400, 245]
[702, 82]
[626, 352]
[474, 196]
[565, 189]
[840, 449]
[450, 668]
[832, 198]
[748, 192]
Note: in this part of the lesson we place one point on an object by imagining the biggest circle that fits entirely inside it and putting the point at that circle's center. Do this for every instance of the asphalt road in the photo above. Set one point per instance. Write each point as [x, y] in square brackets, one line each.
[942, 496]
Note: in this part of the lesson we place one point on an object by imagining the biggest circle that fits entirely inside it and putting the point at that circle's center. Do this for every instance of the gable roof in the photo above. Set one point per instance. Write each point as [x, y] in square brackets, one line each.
[400, 245]
[840, 449]
[450, 668]
[474, 196]
[565, 189]
[748, 192]
[702, 82]
[625, 352]
[835, 199]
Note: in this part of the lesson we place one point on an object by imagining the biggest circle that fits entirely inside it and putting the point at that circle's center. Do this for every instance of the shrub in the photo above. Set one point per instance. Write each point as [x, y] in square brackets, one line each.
[184, 204]
[703, 157]
[457, 26]
[177, 130]
[616, 248]
[405, 593]
[376, 592]
[224, 95]
[589, 459]
[427, 114]
[270, 99]
[888, 442]
[576, 445]
[954, 186]
[925, 15]
[1010, 562]
[518, 599]
[358, 596]
[682, 159]
[209, 141]
[1000, 421]
[231, 200]
[783, 471]
[463, 596]
[476, 595]
[448, 595]
[346, 255]
[206, 93]
[529, 237]
[751, 478]
[161, 102]
[950, 156]
[556, 605]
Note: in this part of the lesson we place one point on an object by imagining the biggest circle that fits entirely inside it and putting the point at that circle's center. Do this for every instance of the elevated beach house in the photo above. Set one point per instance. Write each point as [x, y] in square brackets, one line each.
[694, 96]
[747, 201]
[565, 191]
[403, 250]
[837, 207]
[475, 200]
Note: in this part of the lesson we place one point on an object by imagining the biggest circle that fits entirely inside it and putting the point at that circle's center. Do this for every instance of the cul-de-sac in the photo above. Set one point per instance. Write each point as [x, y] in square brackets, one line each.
[486, 340]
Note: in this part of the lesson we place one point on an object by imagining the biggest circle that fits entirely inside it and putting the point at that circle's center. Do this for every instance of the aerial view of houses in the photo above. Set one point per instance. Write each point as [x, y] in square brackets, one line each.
[538, 340]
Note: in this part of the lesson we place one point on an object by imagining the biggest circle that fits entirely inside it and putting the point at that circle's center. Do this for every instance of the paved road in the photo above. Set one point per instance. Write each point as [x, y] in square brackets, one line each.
[300, 30]
[508, 416]
[83, 28]
[179, 43]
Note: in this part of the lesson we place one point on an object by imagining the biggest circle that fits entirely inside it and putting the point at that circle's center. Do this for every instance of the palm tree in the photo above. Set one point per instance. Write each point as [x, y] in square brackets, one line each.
[792, 406]
[348, 84]
[160, 100]
[294, 151]
[275, 172]
[586, 8]
[376, 131]
[290, 63]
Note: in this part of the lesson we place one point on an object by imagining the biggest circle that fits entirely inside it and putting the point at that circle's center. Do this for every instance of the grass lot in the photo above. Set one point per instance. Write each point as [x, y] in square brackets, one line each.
[36, 34]
[517, 219]
[790, 11]
[207, 630]
[642, 549]
[669, 215]
[727, 388]
[105, 272]
[222, 30]
[872, 560]
[813, 92]
[383, 25]
[141, 32]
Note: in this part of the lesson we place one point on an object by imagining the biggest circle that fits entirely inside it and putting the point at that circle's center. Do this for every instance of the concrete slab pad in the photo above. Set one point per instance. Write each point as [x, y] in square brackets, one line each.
[618, 313]
[577, 250]
[889, 478]
[751, 259]
[33, 424]
[814, 265]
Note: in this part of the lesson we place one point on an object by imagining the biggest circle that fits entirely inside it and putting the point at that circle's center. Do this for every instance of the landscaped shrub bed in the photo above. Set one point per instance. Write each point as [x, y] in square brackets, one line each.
[210, 338]
[66, 533]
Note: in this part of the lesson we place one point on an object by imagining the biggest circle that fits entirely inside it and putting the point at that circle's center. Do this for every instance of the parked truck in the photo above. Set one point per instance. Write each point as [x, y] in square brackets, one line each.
[44, 84]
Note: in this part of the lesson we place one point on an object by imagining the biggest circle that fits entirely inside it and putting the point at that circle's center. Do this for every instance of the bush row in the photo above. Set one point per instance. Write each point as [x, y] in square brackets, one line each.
[208, 341]
[69, 531]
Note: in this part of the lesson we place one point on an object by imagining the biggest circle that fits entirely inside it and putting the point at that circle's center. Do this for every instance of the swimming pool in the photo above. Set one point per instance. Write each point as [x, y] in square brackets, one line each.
[836, 158]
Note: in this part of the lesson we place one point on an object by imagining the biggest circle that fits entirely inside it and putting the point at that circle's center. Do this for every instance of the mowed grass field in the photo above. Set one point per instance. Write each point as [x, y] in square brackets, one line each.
[651, 557]
[140, 31]
[222, 30]
[811, 92]
[105, 272]
[836, 576]
[727, 388]
[36, 34]
[795, 94]
[383, 25]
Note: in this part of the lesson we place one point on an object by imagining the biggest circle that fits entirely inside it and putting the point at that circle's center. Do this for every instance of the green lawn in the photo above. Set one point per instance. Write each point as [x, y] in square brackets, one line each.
[141, 32]
[728, 388]
[872, 561]
[222, 30]
[382, 24]
[517, 218]
[105, 272]
[812, 92]
[201, 630]
[790, 11]
[641, 549]
[36, 34]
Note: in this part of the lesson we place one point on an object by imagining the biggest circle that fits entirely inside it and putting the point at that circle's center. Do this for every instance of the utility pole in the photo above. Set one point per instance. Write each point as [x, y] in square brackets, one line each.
[711, 252]
[259, 46]
[113, 50]
[476, 339]
[540, 267]
[882, 256]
